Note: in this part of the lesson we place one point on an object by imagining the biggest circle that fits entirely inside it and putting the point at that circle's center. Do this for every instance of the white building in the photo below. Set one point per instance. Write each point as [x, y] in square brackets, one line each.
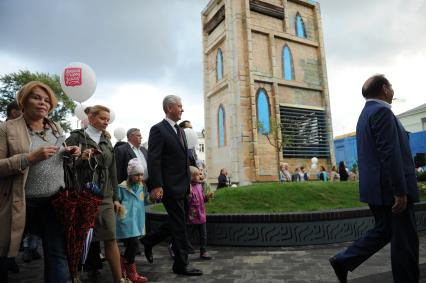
[414, 120]
[200, 148]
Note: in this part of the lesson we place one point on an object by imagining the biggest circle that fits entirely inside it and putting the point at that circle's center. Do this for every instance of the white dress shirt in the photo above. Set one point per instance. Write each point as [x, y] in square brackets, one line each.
[142, 161]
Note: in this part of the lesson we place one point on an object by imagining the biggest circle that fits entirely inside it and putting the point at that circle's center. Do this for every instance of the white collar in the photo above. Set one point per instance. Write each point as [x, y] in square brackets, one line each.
[172, 123]
[132, 146]
[93, 131]
[382, 102]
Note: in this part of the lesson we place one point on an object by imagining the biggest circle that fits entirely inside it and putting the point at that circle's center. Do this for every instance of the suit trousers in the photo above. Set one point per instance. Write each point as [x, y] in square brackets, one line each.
[176, 210]
[4, 269]
[161, 233]
[398, 229]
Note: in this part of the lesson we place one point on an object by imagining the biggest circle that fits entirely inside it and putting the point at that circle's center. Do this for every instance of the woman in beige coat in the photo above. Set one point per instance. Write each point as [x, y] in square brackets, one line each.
[31, 173]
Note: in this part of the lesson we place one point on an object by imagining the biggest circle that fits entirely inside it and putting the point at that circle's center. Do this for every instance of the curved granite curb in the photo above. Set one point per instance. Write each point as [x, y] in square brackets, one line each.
[288, 229]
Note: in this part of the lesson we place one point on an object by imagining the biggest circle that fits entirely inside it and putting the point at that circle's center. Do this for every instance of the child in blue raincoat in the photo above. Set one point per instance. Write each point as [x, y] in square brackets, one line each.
[130, 223]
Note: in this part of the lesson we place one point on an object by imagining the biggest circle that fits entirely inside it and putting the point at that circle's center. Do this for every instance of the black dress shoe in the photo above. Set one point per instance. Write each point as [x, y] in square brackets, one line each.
[147, 251]
[13, 267]
[341, 271]
[188, 271]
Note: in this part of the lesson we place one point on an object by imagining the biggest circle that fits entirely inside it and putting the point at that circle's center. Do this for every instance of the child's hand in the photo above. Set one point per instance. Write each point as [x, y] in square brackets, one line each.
[210, 195]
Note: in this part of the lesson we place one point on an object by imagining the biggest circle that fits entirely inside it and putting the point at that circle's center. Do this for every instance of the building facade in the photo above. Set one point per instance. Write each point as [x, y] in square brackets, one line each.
[265, 88]
[414, 120]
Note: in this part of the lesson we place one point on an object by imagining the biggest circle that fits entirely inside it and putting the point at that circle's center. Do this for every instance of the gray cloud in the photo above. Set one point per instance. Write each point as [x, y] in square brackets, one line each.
[122, 40]
[372, 32]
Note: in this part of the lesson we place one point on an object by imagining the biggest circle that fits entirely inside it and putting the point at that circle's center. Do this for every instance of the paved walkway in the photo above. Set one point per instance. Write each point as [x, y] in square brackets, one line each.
[238, 264]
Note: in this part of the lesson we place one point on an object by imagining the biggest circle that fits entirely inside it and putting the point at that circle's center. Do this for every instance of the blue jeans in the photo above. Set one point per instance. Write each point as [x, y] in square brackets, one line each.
[41, 220]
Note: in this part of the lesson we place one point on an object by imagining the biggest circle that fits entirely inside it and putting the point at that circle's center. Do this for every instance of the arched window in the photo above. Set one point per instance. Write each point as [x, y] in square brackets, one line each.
[300, 26]
[288, 71]
[263, 116]
[221, 125]
[219, 65]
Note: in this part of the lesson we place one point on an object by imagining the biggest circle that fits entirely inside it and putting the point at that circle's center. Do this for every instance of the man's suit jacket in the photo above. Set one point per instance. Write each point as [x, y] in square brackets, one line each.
[386, 167]
[123, 154]
[168, 163]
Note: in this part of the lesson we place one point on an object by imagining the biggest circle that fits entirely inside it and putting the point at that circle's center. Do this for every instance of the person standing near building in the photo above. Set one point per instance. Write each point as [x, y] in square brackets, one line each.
[388, 184]
[170, 179]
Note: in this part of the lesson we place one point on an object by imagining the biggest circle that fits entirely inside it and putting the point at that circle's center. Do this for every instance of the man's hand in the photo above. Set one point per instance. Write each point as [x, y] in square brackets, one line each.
[400, 204]
[156, 193]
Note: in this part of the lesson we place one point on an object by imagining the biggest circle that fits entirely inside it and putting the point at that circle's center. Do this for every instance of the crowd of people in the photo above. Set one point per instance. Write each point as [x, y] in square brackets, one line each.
[300, 174]
[33, 155]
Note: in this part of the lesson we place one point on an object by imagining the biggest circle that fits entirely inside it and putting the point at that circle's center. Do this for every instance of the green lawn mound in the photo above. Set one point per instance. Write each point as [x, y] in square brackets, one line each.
[286, 197]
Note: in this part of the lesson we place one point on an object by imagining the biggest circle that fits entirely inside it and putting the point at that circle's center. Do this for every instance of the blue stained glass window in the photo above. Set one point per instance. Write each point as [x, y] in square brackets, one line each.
[300, 26]
[263, 112]
[287, 64]
[221, 126]
[219, 65]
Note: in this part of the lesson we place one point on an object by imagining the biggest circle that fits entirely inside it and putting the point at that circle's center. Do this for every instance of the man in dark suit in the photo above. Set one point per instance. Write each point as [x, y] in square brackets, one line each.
[388, 184]
[168, 165]
[132, 149]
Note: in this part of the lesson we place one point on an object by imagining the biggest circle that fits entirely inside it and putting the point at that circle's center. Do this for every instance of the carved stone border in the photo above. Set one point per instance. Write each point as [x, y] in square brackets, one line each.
[288, 229]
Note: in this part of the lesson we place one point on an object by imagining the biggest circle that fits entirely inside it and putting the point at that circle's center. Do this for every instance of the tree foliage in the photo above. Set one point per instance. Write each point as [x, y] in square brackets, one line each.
[12, 83]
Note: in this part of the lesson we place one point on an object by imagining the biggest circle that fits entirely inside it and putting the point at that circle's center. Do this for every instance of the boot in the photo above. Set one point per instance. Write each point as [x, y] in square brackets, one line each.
[133, 275]
[123, 267]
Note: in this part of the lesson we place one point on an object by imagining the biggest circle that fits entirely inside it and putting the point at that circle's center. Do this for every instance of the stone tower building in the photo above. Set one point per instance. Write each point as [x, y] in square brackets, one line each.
[265, 88]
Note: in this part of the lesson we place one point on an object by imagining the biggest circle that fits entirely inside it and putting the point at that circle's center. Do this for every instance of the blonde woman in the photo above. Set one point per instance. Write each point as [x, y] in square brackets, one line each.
[98, 164]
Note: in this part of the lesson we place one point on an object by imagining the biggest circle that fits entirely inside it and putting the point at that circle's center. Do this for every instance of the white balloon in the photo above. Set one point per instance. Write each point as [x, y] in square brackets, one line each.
[314, 160]
[78, 81]
[191, 138]
[120, 133]
[111, 116]
[79, 112]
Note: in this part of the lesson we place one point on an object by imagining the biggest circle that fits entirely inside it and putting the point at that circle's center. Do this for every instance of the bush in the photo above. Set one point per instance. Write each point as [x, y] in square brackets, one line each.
[421, 176]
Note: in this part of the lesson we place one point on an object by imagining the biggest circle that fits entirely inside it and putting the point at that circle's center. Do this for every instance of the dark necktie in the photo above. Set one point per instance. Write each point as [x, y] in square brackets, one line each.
[179, 134]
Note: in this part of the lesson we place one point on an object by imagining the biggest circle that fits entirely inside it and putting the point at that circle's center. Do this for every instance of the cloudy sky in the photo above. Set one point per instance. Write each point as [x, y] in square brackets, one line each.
[142, 50]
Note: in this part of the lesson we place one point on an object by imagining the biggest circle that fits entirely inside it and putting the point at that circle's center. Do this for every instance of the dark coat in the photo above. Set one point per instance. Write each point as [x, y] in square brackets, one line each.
[386, 167]
[105, 174]
[222, 181]
[123, 154]
[168, 163]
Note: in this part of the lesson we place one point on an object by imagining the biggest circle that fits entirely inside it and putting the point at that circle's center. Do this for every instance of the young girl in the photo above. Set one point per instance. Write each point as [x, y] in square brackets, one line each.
[131, 218]
[197, 210]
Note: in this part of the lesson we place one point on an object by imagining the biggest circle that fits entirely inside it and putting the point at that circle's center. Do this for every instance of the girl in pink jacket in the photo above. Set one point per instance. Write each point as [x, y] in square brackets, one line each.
[197, 209]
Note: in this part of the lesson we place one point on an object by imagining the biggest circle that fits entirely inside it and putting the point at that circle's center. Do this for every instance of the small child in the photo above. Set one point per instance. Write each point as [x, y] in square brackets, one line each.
[131, 218]
[197, 210]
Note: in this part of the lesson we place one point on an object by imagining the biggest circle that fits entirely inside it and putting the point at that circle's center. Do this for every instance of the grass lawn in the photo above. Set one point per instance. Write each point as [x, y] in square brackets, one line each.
[287, 197]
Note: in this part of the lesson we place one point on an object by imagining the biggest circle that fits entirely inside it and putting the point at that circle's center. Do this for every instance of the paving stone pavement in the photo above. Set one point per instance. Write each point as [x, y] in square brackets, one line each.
[247, 264]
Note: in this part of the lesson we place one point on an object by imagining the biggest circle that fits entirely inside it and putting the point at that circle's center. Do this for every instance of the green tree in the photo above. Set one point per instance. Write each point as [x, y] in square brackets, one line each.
[11, 83]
